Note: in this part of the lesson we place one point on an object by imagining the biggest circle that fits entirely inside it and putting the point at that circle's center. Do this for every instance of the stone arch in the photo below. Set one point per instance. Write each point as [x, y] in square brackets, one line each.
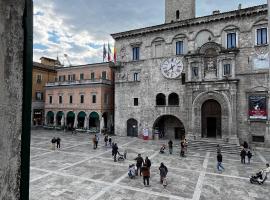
[231, 26]
[132, 127]
[94, 121]
[169, 126]
[173, 99]
[158, 39]
[59, 118]
[161, 99]
[81, 119]
[70, 120]
[203, 37]
[226, 116]
[50, 117]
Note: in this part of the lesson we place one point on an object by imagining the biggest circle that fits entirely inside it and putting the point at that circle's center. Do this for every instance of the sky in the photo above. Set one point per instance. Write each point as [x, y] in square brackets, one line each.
[79, 28]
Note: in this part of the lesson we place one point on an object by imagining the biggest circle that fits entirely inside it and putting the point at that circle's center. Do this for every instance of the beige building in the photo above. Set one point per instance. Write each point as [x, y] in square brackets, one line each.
[42, 73]
[82, 97]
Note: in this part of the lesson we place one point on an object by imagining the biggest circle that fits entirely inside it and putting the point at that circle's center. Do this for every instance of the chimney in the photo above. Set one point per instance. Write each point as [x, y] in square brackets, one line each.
[216, 12]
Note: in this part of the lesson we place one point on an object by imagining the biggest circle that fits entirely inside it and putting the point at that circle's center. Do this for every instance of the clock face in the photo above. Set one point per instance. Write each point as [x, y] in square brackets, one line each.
[172, 68]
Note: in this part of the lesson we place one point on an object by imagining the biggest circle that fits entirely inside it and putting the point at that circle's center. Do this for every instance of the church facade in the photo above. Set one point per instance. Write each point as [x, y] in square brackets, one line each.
[204, 77]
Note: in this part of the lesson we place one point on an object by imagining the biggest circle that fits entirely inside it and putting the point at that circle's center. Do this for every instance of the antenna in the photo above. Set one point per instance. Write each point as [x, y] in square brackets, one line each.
[67, 58]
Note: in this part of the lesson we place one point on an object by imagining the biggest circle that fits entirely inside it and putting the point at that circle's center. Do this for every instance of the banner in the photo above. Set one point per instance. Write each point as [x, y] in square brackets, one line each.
[257, 107]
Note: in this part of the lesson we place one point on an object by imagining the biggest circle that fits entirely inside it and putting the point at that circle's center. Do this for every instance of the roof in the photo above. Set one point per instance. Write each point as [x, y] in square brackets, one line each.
[255, 10]
[43, 67]
[103, 64]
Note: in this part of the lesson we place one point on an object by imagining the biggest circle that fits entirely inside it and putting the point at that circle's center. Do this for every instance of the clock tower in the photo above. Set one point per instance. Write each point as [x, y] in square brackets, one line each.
[177, 10]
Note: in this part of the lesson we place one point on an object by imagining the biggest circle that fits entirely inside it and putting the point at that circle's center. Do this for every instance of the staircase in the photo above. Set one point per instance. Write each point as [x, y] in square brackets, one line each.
[211, 146]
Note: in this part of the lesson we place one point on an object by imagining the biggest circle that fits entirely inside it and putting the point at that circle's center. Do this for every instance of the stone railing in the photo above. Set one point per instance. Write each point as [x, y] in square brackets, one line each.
[79, 82]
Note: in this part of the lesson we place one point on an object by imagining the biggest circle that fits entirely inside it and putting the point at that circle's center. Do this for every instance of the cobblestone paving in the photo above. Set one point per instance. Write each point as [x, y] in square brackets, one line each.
[78, 172]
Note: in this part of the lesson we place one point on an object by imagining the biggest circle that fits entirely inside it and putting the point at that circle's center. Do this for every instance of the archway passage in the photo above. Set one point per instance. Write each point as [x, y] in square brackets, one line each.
[94, 121]
[59, 117]
[132, 128]
[50, 118]
[105, 120]
[81, 119]
[70, 120]
[169, 127]
[211, 119]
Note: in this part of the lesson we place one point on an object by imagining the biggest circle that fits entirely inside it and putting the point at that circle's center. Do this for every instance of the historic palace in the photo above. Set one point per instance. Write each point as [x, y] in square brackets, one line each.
[204, 77]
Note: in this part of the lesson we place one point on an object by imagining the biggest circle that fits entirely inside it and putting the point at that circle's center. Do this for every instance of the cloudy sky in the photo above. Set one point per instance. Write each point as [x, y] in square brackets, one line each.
[79, 28]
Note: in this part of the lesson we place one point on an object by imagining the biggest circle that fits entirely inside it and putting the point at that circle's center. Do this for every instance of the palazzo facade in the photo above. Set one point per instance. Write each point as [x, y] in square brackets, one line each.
[204, 77]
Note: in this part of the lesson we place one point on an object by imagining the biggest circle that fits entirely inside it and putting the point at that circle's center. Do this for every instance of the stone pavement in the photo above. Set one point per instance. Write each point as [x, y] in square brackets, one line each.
[78, 172]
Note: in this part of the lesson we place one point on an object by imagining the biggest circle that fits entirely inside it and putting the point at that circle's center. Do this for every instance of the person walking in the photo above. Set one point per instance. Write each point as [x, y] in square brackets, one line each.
[114, 151]
[110, 141]
[243, 156]
[94, 141]
[147, 162]
[139, 164]
[58, 140]
[249, 155]
[106, 140]
[182, 152]
[170, 144]
[163, 171]
[146, 174]
[53, 141]
[219, 163]
[97, 139]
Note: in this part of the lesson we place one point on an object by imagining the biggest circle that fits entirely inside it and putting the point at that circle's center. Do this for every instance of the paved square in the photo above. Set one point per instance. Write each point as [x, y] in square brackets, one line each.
[78, 172]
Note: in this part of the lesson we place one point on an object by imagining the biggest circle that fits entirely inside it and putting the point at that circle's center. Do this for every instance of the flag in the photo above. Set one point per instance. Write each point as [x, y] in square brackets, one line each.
[109, 52]
[104, 52]
[114, 54]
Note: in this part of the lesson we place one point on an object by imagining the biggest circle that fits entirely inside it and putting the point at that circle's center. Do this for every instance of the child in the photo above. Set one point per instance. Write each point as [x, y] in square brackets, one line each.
[162, 149]
[131, 171]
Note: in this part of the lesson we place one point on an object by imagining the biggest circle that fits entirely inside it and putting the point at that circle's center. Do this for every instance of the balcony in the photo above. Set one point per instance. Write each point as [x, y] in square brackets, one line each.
[79, 82]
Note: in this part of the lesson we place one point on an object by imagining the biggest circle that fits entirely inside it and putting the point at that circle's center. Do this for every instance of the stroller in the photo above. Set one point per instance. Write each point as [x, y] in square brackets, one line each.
[131, 171]
[122, 157]
[259, 178]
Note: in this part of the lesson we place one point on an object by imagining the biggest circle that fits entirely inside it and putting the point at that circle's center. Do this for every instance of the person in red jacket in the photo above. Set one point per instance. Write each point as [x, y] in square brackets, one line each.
[146, 174]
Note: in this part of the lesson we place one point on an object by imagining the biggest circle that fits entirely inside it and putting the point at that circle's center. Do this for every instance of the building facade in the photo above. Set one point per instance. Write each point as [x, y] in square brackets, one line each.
[42, 73]
[82, 97]
[205, 77]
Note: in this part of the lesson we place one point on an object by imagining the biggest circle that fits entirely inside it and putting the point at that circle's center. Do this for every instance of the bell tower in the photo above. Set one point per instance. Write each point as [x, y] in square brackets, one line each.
[177, 10]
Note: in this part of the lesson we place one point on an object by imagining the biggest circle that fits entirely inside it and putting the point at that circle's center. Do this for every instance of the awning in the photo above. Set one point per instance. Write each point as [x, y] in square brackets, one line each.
[94, 115]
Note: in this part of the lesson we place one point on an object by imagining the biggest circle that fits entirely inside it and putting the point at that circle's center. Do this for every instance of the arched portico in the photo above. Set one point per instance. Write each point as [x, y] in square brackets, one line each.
[70, 120]
[225, 113]
[50, 118]
[81, 118]
[60, 118]
[170, 127]
[94, 121]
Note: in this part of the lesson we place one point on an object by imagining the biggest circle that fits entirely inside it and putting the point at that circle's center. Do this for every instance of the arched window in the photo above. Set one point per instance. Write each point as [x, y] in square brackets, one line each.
[173, 99]
[177, 14]
[160, 100]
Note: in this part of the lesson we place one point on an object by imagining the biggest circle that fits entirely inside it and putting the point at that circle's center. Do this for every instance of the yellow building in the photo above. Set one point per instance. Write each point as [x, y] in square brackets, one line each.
[43, 73]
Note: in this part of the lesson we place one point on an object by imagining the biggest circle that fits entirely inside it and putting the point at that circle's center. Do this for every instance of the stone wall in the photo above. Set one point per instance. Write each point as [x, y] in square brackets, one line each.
[11, 90]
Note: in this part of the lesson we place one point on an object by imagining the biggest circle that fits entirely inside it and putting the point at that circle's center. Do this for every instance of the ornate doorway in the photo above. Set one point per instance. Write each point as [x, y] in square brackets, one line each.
[211, 119]
[132, 128]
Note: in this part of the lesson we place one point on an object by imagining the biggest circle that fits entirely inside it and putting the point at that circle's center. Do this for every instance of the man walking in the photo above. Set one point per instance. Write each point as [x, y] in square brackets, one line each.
[139, 164]
[243, 156]
[170, 144]
[219, 163]
[58, 140]
[114, 151]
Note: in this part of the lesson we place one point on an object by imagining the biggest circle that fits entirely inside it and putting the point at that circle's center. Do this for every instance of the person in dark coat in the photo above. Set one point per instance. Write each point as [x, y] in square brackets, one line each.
[58, 140]
[219, 162]
[245, 145]
[249, 155]
[139, 164]
[163, 171]
[110, 141]
[53, 143]
[114, 151]
[243, 156]
[182, 152]
[106, 140]
[147, 162]
[146, 174]
[170, 144]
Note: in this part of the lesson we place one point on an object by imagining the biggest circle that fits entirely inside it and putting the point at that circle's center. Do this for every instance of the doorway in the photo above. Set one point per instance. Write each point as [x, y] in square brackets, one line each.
[211, 119]
[132, 128]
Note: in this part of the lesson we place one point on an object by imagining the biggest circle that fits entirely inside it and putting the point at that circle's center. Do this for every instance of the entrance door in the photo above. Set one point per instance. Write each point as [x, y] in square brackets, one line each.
[132, 128]
[211, 119]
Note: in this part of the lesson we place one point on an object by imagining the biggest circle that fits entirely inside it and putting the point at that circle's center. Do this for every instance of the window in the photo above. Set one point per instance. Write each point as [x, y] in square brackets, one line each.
[70, 99]
[62, 78]
[81, 76]
[39, 78]
[262, 36]
[158, 50]
[39, 96]
[179, 48]
[106, 98]
[82, 98]
[195, 72]
[177, 14]
[92, 76]
[173, 99]
[183, 78]
[231, 40]
[73, 77]
[136, 101]
[60, 99]
[50, 99]
[160, 100]
[136, 53]
[104, 75]
[94, 98]
[226, 69]
[136, 76]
